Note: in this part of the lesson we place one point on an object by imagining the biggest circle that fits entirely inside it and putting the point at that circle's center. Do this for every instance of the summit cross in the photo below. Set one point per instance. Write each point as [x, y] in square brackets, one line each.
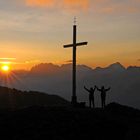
[74, 46]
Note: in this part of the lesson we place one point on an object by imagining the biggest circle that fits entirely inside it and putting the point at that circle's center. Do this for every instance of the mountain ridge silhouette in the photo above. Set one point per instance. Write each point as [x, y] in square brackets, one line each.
[17, 99]
[124, 82]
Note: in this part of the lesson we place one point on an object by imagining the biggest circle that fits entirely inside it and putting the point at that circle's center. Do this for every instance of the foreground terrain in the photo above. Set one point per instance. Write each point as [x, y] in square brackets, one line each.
[66, 123]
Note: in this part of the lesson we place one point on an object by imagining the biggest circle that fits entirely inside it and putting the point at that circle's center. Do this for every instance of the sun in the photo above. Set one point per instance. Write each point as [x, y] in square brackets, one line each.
[5, 68]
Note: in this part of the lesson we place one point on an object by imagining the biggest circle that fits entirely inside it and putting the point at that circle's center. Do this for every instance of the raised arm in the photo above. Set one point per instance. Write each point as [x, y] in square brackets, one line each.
[107, 89]
[97, 88]
[94, 88]
[86, 89]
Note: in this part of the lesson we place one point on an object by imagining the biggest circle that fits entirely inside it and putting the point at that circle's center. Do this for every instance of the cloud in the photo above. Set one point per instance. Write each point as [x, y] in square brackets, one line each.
[7, 58]
[14, 61]
[65, 4]
[98, 6]
[74, 4]
[40, 3]
[116, 7]
[68, 61]
[32, 61]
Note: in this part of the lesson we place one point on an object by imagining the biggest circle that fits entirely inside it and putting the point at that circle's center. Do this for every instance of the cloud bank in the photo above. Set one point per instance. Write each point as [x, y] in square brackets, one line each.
[40, 3]
[98, 6]
[72, 4]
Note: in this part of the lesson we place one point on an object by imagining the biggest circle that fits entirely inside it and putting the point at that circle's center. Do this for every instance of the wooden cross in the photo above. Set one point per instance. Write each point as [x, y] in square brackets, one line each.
[74, 45]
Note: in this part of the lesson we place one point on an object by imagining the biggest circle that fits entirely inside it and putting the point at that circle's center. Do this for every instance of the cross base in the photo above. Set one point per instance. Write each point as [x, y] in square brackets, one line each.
[74, 100]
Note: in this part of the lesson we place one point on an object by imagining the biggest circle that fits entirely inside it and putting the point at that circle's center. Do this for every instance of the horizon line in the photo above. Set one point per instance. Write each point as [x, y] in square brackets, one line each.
[60, 65]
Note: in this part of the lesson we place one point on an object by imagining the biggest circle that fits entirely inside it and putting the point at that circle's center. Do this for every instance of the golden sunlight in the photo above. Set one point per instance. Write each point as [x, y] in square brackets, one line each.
[5, 68]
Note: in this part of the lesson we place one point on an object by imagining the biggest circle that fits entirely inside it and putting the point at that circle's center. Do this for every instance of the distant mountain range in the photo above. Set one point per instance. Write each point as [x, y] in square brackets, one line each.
[54, 79]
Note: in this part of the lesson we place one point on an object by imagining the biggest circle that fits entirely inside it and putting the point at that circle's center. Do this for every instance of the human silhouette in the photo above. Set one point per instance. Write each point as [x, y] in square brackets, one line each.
[91, 96]
[103, 95]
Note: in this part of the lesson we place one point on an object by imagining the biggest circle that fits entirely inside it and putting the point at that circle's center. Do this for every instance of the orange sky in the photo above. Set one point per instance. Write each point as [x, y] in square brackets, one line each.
[34, 31]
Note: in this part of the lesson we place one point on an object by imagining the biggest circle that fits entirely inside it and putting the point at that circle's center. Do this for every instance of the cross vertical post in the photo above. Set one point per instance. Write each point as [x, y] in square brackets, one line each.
[74, 45]
[74, 97]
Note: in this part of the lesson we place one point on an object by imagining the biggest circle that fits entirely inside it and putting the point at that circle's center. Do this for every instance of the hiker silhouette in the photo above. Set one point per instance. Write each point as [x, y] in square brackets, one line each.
[103, 95]
[91, 96]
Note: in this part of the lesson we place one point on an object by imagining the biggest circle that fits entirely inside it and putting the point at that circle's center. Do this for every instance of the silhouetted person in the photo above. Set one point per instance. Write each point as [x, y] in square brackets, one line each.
[91, 96]
[103, 95]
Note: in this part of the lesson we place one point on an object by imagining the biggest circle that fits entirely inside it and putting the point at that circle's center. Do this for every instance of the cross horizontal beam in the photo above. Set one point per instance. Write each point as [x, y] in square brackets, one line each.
[77, 44]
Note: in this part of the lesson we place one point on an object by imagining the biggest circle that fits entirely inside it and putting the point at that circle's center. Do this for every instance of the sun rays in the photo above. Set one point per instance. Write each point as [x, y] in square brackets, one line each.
[8, 76]
[5, 68]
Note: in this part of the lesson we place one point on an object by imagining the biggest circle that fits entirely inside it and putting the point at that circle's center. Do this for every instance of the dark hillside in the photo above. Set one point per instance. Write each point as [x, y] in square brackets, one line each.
[14, 99]
[65, 123]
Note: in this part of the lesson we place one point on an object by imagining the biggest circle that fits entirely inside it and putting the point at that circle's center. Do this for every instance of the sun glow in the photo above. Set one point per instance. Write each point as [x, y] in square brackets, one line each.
[5, 68]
